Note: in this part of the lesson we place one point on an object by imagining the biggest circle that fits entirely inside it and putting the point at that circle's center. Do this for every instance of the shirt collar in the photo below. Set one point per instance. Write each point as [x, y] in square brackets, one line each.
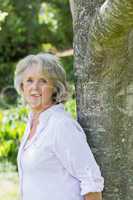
[44, 115]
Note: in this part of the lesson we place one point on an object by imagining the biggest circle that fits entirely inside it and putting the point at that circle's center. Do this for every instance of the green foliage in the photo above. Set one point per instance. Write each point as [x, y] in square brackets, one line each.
[6, 74]
[26, 25]
[16, 35]
[68, 66]
[61, 14]
[29, 27]
[70, 106]
[12, 126]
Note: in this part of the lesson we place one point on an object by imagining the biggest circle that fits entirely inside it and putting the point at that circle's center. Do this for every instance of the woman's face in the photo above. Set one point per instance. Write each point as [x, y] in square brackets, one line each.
[37, 89]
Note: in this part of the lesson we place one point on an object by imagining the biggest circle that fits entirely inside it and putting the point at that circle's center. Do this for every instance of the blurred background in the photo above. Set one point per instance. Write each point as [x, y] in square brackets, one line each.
[27, 27]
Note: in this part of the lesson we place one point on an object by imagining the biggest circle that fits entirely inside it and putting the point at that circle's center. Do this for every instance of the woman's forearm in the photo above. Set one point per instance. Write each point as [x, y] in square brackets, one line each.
[93, 196]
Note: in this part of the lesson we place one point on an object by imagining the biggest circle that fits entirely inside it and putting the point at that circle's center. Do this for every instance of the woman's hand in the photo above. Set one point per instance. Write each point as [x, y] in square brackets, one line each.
[93, 196]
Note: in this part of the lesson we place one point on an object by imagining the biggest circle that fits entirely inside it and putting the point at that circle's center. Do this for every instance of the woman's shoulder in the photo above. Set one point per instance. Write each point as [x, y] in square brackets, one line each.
[58, 117]
[63, 126]
[64, 120]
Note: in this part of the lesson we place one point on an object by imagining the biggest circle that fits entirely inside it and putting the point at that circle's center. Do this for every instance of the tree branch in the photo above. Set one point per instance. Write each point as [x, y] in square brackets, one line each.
[113, 20]
[108, 32]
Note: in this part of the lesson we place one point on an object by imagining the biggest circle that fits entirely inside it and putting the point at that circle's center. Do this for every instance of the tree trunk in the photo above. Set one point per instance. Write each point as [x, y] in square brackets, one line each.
[103, 58]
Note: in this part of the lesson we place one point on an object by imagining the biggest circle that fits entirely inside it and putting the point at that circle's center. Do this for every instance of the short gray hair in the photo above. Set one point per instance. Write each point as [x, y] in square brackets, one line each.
[51, 67]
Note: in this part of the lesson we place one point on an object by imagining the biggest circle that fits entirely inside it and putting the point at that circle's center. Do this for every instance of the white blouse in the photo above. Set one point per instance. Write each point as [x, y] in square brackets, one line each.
[57, 163]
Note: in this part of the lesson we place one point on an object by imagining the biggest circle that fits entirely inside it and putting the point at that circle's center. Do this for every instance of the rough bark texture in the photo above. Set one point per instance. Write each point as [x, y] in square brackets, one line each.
[103, 59]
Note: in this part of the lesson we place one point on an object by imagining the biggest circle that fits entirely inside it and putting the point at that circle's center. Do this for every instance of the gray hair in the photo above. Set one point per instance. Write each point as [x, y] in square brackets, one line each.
[51, 68]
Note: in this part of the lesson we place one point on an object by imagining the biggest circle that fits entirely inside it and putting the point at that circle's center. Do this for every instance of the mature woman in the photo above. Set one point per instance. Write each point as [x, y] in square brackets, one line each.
[54, 160]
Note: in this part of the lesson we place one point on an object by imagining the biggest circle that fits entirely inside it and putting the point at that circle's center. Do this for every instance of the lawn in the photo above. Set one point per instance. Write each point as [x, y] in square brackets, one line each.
[9, 189]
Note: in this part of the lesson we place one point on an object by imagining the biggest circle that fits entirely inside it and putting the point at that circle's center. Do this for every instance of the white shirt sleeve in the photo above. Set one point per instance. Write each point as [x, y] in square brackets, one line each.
[71, 148]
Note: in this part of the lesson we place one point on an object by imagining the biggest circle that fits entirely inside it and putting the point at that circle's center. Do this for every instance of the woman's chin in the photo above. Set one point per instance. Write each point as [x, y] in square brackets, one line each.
[35, 107]
[38, 108]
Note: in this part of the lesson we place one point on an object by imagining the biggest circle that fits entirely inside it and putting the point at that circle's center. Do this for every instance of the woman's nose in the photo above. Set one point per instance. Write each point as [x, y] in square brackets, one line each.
[35, 85]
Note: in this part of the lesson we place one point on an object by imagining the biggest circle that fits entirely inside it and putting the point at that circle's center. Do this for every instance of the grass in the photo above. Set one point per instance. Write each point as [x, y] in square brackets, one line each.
[9, 186]
[9, 182]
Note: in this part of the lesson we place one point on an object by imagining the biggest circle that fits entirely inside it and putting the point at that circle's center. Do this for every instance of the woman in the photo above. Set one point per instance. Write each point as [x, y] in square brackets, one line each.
[54, 160]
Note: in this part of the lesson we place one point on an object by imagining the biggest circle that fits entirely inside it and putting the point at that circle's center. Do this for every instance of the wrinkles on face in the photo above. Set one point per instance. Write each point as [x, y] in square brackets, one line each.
[37, 89]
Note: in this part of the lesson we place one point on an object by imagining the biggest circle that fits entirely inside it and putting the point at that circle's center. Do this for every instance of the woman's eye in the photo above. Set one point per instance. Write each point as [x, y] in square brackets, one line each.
[29, 80]
[43, 81]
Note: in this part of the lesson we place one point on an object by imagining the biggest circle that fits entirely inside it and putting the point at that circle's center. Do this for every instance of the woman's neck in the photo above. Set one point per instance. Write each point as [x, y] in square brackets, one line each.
[36, 113]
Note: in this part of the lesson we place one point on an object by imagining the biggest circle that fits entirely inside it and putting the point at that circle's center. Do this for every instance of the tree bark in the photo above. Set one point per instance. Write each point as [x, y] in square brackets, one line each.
[103, 58]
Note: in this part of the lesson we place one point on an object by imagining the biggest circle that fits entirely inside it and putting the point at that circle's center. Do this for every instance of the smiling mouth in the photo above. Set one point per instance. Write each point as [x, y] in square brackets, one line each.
[35, 95]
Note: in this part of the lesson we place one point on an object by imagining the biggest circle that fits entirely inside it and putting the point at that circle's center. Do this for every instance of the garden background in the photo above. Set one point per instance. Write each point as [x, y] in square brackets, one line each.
[27, 27]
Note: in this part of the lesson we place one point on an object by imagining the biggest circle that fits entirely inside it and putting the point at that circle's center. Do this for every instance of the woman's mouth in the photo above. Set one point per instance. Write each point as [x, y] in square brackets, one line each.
[35, 95]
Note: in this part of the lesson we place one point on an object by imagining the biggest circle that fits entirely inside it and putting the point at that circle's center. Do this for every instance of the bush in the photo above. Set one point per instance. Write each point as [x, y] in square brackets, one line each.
[12, 126]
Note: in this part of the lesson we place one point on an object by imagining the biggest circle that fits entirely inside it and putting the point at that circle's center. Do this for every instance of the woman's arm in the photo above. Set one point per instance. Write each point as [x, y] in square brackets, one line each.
[93, 196]
[71, 148]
